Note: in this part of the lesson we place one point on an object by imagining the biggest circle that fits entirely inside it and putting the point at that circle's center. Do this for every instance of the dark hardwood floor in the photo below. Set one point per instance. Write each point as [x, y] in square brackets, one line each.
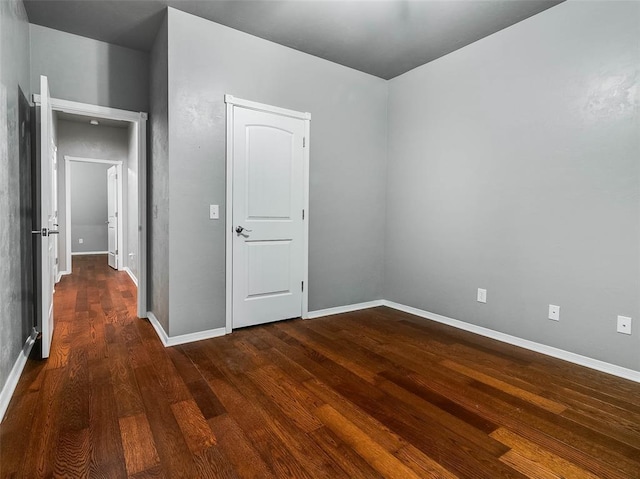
[369, 394]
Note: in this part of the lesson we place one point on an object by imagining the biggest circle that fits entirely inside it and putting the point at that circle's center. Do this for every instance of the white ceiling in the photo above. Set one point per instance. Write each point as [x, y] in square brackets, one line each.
[382, 37]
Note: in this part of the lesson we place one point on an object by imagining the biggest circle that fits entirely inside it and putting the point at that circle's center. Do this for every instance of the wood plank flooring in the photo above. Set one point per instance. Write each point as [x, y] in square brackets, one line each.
[370, 394]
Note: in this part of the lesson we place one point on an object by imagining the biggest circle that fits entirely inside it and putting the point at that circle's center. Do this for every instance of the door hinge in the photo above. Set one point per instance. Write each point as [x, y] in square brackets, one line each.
[116, 214]
[302, 214]
[303, 286]
[304, 141]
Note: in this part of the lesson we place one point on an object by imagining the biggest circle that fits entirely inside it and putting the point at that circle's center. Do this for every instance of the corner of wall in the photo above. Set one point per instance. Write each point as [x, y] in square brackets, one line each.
[158, 251]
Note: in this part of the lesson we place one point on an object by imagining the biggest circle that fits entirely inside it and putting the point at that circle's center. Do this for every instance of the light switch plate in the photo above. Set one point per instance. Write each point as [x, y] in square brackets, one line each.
[214, 212]
[554, 312]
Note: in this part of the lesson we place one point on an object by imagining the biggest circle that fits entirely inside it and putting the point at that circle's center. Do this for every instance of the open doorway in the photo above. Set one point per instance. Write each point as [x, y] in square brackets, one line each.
[87, 149]
[97, 188]
[97, 213]
[74, 127]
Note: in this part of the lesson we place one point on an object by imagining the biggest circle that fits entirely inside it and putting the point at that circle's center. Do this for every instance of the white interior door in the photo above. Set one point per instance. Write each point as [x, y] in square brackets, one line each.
[268, 200]
[112, 215]
[47, 217]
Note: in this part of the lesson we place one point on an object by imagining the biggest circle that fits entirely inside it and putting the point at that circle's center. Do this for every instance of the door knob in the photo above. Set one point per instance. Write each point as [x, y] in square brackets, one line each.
[45, 232]
[240, 229]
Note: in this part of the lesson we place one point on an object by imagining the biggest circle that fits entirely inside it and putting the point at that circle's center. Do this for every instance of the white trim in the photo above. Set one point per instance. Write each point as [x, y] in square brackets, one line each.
[585, 361]
[228, 226]
[86, 109]
[588, 362]
[253, 105]
[123, 214]
[192, 337]
[131, 275]
[169, 341]
[158, 327]
[92, 160]
[231, 101]
[574, 358]
[61, 274]
[305, 227]
[80, 253]
[14, 376]
[344, 309]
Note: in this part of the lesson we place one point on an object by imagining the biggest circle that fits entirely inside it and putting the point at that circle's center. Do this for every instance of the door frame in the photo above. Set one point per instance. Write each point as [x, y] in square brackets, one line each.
[139, 119]
[232, 102]
[67, 187]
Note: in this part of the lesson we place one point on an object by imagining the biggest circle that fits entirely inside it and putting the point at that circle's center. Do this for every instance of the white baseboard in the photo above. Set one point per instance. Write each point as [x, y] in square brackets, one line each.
[588, 362]
[168, 341]
[158, 327]
[80, 253]
[61, 274]
[343, 309]
[132, 276]
[14, 376]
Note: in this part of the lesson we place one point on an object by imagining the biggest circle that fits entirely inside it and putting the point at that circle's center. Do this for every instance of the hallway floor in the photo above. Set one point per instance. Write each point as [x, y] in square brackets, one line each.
[370, 394]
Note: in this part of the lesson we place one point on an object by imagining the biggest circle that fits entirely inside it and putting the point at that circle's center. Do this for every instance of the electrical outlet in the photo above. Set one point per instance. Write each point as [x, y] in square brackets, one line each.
[554, 312]
[482, 295]
[80, 240]
[624, 325]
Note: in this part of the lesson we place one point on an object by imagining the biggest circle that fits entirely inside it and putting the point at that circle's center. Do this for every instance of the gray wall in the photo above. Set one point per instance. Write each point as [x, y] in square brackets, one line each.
[14, 73]
[85, 141]
[88, 207]
[348, 164]
[513, 166]
[158, 177]
[89, 71]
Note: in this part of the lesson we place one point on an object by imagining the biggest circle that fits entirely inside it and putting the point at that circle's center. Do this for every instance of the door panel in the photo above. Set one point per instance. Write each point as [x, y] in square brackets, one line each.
[270, 167]
[112, 215]
[268, 268]
[268, 198]
[47, 218]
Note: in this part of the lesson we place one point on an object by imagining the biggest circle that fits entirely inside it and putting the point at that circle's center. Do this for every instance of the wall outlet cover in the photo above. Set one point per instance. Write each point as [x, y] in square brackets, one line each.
[624, 325]
[80, 241]
[482, 295]
[554, 312]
